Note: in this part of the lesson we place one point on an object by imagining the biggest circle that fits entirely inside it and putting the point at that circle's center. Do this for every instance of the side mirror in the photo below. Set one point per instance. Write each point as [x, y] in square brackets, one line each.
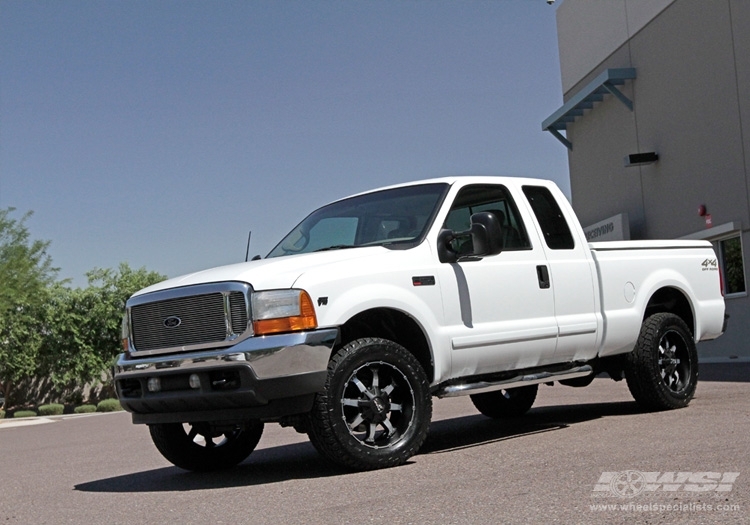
[486, 234]
[446, 254]
[486, 239]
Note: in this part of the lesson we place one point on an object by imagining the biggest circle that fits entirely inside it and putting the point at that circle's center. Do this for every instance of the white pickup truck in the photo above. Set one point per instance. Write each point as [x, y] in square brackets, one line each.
[375, 304]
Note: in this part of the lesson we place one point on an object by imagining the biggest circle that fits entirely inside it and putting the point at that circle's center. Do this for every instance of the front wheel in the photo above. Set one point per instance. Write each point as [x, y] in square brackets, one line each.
[203, 447]
[376, 408]
[662, 370]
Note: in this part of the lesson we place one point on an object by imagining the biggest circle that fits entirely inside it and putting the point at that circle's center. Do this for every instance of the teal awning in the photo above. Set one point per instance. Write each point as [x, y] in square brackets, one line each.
[585, 98]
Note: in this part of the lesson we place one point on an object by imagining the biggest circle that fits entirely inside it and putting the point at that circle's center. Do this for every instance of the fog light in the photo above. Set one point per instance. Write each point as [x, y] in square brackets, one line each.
[195, 381]
[154, 384]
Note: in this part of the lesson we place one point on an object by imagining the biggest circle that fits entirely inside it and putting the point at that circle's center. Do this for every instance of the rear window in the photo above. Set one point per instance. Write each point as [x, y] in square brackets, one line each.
[554, 227]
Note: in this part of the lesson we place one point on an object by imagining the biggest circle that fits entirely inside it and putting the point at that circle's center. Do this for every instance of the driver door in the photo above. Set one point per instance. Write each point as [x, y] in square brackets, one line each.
[500, 309]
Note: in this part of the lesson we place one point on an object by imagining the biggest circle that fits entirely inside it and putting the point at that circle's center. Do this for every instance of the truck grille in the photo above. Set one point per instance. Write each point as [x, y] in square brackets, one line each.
[178, 322]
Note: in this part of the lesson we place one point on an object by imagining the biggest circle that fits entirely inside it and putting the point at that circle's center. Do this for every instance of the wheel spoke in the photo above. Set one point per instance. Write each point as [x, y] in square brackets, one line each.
[673, 366]
[396, 407]
[362, 388]
[390, 388]
[350, 402]
[356, 422]
[371, 433]
[389, 427]
[375, 378]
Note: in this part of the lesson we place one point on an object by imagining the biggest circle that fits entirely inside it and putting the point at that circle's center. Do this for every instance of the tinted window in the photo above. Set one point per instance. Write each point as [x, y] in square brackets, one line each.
[554, 227]
[492, 198]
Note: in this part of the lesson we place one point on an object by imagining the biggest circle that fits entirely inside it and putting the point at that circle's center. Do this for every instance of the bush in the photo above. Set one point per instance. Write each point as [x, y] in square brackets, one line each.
[108, 405]
[24, 413]
[84, 409]
[53, 409]
[2, 414]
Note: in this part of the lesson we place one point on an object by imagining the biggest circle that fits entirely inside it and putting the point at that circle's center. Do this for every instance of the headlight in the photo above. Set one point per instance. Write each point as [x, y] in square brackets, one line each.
[125, 332]
[277, 311]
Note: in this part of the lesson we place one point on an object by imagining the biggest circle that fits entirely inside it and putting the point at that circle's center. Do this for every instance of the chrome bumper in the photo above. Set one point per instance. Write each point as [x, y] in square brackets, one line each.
[260, 377]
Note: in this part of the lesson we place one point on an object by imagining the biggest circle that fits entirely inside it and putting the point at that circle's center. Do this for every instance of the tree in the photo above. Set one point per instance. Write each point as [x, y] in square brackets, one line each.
[52, 336]
[84, 334]
[25, 274]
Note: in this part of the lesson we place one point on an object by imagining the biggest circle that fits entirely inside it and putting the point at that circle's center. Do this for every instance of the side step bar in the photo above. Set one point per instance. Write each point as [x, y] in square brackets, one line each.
[481, 387]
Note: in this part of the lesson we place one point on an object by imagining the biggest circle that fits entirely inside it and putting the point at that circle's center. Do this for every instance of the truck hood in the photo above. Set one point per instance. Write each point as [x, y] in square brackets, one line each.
[267, 274]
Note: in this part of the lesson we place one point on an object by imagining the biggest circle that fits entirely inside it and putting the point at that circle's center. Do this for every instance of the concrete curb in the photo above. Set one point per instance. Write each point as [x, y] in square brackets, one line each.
[41, 420]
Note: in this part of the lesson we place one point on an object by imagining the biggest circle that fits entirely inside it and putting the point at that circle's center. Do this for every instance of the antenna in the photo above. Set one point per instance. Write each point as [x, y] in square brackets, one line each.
[247, 251]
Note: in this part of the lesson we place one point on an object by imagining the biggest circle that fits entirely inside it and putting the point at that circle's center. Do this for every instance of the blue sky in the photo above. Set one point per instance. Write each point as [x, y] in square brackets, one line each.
[159, 132]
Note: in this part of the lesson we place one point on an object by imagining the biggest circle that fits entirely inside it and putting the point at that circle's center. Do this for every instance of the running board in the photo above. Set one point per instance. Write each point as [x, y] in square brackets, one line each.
[514, 382]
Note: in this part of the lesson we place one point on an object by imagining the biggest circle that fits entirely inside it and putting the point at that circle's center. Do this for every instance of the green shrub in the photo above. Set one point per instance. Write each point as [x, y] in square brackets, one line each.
[84, 409]
[108, 405]
[24, 413]
[2, 414]
[53, 409]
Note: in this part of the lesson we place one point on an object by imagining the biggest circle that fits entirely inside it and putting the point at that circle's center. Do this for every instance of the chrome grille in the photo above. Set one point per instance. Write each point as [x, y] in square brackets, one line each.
[187, 321]
[238, 312]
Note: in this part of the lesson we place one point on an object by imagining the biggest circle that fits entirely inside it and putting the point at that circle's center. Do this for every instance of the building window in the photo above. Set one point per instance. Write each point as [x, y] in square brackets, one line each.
[732, 265]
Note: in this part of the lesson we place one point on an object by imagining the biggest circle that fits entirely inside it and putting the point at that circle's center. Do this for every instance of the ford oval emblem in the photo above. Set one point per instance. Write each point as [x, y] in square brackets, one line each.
[172, 321]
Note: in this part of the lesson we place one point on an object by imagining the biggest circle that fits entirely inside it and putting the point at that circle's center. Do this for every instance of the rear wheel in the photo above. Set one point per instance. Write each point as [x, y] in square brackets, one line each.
[376, 408]
[204, 446]
[500, 404]
[662, 370]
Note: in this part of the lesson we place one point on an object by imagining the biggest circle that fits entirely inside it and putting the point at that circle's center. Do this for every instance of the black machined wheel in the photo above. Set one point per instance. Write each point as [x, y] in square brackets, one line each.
[203, 446]
[376, 408]
[500, 404]
[662, 370]
[378, 415]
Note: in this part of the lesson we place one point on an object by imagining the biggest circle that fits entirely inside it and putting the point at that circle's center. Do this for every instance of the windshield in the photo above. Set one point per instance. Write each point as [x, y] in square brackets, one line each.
[399, 216]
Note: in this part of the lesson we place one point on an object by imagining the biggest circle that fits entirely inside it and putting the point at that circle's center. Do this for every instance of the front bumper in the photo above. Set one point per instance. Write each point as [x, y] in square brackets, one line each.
[258, 378]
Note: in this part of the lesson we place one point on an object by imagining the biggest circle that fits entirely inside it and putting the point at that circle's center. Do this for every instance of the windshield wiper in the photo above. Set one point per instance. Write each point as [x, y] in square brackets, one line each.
[335, 247]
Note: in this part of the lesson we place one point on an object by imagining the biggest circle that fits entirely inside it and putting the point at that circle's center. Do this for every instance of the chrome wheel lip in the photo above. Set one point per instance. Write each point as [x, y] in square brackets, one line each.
[378, 416]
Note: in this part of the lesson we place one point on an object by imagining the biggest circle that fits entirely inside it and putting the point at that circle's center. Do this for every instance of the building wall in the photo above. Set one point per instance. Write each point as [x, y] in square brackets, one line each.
[691, 105]
[594, 29]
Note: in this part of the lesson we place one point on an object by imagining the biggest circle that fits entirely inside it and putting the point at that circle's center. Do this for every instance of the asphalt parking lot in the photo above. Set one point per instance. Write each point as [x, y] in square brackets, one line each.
[584, 455]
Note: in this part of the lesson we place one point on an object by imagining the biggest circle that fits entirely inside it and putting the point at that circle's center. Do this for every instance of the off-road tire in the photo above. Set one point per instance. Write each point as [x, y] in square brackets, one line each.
[375, 409]
[662, 370]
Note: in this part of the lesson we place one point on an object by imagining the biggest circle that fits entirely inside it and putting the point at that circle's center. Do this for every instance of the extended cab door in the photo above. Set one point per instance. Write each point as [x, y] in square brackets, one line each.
[572, 274]
[499, 309]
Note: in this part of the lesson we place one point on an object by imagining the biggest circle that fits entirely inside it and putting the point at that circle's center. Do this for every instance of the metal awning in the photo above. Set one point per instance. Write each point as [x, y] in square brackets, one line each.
[585, 98]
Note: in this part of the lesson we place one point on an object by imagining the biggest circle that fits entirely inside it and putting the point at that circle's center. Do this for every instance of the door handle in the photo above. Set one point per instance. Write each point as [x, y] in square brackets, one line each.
[542, 274]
